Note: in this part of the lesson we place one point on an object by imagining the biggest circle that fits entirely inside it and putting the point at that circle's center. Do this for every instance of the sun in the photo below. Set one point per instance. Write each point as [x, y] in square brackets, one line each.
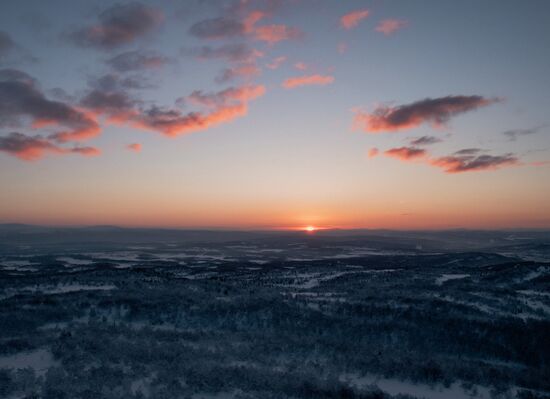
[310, 229]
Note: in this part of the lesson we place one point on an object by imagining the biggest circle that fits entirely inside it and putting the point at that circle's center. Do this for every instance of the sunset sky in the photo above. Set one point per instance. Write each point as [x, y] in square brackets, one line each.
[275, 114]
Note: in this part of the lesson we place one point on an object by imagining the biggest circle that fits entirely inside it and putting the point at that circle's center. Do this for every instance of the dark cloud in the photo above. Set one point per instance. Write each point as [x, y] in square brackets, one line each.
[222, 107]
[471, 163]
[21, 98]
[513, 134]
[113, 82]
[6, 44]
[60, 94]
[405, 153]
[248, 70]
[137, 60]
[118, 25]
[27, 147]
[434, 110]
[217, 28]
[229, 52]
[425, 140]
[30, 148]
[110, 103]
[465, 160]
[16, 75]
[468, 151]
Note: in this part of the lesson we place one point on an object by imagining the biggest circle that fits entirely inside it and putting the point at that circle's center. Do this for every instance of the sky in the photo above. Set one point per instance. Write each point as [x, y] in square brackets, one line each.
[267, 114]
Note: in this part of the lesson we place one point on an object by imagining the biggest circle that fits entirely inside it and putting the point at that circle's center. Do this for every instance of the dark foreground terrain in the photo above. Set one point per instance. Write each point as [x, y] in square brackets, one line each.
[109, 313]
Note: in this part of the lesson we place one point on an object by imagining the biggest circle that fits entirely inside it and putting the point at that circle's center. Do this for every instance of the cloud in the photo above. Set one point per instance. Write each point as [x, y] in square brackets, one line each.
[20, 98]
[27, 148]
[468, 151]
[352, 19]
[470, 163]
[373, 152]
[227, 28]
[229, 52]
[31, 148]
[301, 66]
[135, 147]
[217, 28]
[86, 151]
[425, 140]
[275, 33]
[277, 62]
[292, 83]
[438, 111]
[220, 107]
[6, 44]
[221, 98]
[465, 160]
[113, 82]
[389, 26]
[406, 153]
[241, 71]
[116, 104]
[137, 60]
[513, 134]
[118, 25]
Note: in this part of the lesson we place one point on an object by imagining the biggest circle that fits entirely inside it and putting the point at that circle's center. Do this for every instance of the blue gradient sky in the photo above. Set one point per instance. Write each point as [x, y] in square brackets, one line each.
[294, 159]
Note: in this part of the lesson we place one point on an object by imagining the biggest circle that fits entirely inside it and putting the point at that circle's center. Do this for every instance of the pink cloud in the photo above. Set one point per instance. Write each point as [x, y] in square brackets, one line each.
[472, 163]
[220, 107]
[466, 160]
[276, 33]
[373, 152]
[136, 147]
[352, 19]
[389, 26]
[277, 62]
[406, 153]
[239, 71]
[300, 66]
[298, 81]
[32, 148]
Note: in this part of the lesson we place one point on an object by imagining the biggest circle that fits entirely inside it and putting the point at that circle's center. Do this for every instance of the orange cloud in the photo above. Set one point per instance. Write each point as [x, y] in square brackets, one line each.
[292, 83]
[437, 111]
[251, 19]
[136, 147]
[406, 153]
[459, 164]
[373, 152]
[223, 106]
[20, 96]
[32, 148]
[352, 19]
[389, 26]
[466, 160]
[276, 33]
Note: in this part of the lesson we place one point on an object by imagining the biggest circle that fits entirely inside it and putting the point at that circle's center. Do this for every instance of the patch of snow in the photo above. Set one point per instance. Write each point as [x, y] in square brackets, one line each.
[40, 360]
[73, 261]
[395, 387]
[447, 277]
